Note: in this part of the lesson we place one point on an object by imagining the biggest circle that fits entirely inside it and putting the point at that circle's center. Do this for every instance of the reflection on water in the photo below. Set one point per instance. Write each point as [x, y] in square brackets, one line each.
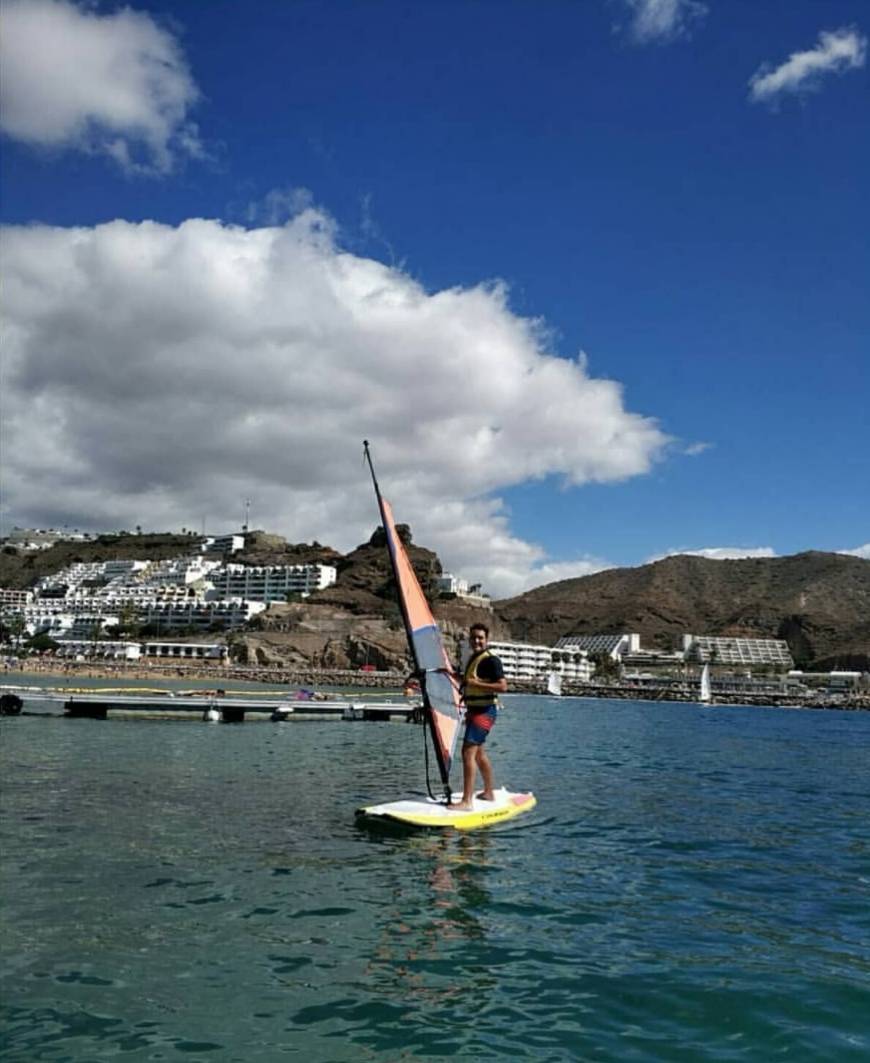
[414, 956]
[691, 886]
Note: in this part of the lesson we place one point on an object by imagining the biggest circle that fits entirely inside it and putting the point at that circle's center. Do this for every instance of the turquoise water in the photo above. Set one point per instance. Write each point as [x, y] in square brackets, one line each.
[694, 885]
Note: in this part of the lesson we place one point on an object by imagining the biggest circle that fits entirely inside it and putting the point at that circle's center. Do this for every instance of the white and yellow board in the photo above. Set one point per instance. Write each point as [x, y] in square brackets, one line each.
[431, 813]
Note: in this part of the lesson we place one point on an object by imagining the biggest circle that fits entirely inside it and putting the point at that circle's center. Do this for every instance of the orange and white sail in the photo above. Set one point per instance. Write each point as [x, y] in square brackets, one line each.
[441, 699]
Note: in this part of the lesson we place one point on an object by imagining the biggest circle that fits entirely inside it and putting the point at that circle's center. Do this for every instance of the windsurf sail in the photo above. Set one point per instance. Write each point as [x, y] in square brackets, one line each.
[554, 684]
[441, 700]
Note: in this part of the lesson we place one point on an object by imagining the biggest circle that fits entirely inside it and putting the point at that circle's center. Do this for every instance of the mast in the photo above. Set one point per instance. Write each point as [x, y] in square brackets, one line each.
[409, 633]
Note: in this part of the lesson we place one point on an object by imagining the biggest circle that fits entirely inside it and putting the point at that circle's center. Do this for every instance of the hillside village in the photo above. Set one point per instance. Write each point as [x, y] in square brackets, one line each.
[253, 598]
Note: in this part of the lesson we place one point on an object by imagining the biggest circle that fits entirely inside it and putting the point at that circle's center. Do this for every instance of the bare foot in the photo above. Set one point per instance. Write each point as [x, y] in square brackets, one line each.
[462, 806]
[486, 795]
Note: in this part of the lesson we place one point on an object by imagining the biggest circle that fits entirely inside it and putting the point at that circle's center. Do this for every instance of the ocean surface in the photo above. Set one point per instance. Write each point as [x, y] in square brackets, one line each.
[694, 885]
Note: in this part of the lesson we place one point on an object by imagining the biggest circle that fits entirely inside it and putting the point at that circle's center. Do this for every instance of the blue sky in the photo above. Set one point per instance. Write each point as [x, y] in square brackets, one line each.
[676, 190]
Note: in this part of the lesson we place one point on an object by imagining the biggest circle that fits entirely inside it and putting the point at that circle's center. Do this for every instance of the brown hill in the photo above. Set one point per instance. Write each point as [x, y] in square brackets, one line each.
[818, 602]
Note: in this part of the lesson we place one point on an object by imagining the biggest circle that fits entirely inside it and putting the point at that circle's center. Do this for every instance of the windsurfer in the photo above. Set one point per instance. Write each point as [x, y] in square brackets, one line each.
[483, 681]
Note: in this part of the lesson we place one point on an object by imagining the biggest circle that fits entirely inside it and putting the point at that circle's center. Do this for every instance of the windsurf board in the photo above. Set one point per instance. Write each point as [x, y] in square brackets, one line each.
[418, 812]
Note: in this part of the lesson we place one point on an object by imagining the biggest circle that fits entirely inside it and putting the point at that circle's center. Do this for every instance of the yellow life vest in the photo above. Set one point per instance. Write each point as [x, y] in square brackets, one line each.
[476, 697]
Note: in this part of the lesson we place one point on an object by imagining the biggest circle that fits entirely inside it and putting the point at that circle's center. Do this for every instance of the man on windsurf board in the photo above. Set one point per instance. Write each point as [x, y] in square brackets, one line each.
[482, 683]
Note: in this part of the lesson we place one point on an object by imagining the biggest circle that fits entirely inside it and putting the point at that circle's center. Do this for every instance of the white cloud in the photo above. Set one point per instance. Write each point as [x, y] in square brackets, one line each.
[278, 205]
[515, 580]
[663, 20]
[115, 84]
[836, 51]
[859, 551]
[719, 553]
[694, 449]
[159, 376]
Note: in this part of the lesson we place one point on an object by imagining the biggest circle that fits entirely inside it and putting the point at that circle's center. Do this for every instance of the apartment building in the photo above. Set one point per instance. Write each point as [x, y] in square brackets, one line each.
[196, 651]
[524, 660]
[106, 649]
[12, 600]
[742, 651]
[190, 613]
[615, 646]
[223, 544]
[183, 571]
[452, 586]
[270, 583]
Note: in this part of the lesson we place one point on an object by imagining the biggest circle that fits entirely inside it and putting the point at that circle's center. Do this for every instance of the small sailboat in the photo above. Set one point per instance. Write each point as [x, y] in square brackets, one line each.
[705, 694]
[443, 711]
[554, 684]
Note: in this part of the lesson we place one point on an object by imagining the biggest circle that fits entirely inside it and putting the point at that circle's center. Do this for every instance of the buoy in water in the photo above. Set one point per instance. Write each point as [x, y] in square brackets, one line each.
[10, 705]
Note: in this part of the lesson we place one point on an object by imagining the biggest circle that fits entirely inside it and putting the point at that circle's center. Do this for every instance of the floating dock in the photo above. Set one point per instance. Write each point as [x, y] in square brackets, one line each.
[228, 707]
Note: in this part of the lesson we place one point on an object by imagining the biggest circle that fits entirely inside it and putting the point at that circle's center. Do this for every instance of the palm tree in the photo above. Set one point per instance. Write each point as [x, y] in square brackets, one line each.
[127, 619]
[96, 628]
[17, 627]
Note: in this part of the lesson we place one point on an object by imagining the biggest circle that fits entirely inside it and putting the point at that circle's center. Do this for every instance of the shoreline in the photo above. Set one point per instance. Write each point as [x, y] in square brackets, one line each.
[317, 678]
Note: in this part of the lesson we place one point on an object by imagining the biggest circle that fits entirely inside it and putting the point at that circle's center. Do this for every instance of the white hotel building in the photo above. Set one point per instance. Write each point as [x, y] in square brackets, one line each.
[270, 583]
[190, 613]
[742, 651]
[523, 660]
[59, 617]
[14, 599]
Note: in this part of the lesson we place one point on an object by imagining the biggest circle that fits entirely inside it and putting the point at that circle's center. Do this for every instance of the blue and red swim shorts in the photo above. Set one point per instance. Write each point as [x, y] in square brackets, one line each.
[478, 724]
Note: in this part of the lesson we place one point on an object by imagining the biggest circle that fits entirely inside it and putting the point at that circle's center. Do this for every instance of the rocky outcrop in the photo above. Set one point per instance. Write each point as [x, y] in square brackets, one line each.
[323, 636]
[261, 548]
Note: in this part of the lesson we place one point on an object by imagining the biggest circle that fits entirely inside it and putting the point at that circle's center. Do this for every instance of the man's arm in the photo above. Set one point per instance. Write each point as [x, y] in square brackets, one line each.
[498, 687]
[493, 676]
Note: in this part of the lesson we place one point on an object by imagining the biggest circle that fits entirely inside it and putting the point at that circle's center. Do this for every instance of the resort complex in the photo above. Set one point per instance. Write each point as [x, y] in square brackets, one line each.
[125, 609]
[87, 600]
[243, 598]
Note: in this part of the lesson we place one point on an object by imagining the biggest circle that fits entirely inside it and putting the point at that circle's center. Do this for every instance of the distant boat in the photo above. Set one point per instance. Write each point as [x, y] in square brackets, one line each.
[705, 695]
[554, 684]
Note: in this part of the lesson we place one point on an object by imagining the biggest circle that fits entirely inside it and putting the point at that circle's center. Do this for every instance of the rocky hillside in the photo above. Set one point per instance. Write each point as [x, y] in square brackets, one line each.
[20, 569]
[364, 582]
[264, 549]
[818, 602]
[357, 621]
[354, 623]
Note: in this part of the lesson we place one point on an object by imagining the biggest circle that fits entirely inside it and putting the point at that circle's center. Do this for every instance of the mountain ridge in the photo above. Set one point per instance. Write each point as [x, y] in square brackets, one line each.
[818, 602]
